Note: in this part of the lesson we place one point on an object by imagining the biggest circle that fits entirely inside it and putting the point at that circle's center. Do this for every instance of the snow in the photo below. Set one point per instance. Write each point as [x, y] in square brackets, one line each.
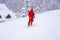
[45, 27]
[3, 7]
[4, 11]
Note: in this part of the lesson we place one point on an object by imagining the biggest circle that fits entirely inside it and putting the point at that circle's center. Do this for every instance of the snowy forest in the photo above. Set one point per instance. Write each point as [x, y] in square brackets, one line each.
[20, 7]
[40, 5]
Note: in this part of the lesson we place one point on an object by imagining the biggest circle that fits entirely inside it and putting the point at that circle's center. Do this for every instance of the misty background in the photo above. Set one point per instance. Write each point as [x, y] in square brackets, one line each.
[22, 6]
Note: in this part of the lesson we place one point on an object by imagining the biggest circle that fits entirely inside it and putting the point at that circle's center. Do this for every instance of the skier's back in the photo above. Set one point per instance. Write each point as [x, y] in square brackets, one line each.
[31, 17]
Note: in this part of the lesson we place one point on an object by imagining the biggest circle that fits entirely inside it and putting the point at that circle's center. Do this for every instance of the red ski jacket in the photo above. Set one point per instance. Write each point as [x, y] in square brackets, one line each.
[31, 14]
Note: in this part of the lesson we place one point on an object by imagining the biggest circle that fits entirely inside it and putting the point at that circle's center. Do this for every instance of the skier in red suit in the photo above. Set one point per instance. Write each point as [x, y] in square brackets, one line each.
[31, 17]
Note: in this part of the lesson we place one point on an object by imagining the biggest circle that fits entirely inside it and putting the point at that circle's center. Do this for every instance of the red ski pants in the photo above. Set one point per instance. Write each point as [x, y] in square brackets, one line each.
[30, 22]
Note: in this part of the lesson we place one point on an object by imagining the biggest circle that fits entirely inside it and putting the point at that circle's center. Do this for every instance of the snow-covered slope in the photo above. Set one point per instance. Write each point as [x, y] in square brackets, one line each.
[45, 27]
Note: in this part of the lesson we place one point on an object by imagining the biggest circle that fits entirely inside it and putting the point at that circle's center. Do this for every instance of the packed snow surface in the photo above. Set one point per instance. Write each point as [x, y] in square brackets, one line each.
[46, 26]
